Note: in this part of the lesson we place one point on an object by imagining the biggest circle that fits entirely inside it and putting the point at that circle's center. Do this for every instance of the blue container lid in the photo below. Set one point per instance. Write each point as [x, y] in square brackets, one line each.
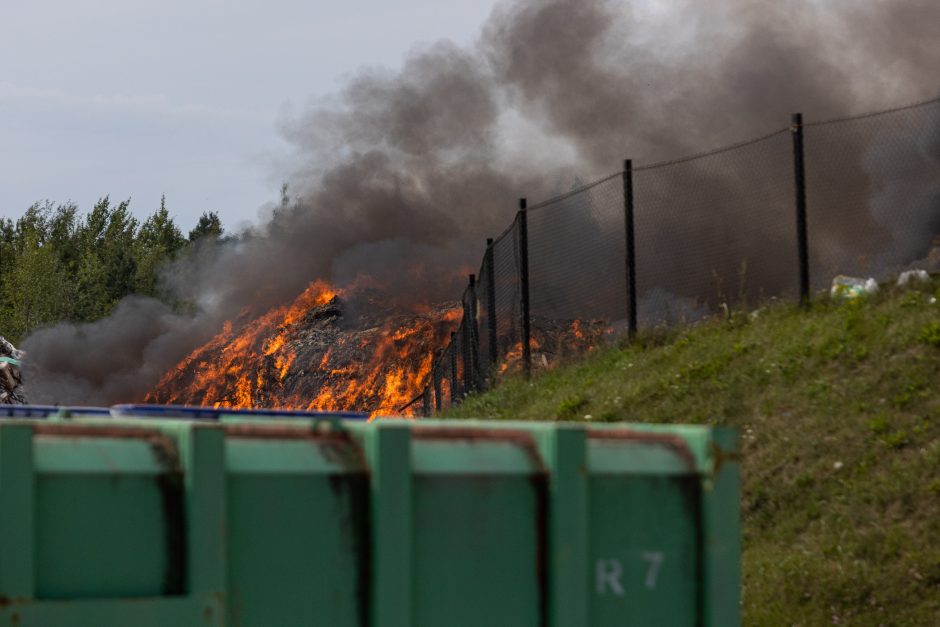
[86, 411]
[213, 413]
[44, 411]
[28, 411]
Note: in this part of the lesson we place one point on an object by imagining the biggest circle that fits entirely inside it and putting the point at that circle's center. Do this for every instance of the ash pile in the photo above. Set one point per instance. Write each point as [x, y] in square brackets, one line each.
[11, 377]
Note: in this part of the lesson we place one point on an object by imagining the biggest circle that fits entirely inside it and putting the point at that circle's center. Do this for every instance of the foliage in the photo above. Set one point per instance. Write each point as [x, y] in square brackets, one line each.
[57, 265]
[209, 225]
[840, 432]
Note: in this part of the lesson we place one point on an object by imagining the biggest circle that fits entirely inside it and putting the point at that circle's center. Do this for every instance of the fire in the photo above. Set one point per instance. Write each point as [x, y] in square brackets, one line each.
[389, 377]
[555, 342]
[348, 349]
[513, 359]
[288, 359]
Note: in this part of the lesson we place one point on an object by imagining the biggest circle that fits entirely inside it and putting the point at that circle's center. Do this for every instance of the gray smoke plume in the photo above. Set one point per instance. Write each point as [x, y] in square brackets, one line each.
[404, 173]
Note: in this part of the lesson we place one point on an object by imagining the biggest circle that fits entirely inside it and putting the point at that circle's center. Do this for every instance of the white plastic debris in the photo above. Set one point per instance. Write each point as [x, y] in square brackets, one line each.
[850, 288]
[909, 277]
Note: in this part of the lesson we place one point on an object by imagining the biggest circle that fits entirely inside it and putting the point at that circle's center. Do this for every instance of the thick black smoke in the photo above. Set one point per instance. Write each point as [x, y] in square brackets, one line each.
[404, 173]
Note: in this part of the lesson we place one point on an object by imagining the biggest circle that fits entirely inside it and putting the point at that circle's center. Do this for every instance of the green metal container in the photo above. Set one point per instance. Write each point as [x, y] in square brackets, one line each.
[240, 521]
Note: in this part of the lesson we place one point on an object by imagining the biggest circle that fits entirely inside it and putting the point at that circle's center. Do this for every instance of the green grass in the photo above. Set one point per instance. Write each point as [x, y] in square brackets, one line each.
[839, 414]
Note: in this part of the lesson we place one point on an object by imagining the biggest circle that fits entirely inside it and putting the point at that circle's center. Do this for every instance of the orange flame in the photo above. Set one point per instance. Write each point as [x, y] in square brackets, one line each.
[256, 363]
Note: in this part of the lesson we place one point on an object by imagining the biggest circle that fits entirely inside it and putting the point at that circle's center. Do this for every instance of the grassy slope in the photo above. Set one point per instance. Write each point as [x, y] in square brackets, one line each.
[840, 419]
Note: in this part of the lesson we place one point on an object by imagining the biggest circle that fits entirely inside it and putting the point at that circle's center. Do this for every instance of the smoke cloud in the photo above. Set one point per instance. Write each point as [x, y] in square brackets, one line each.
[404, 173]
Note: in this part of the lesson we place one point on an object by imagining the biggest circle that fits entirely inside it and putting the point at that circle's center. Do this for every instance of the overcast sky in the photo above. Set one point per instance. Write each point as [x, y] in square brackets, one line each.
[135, 98]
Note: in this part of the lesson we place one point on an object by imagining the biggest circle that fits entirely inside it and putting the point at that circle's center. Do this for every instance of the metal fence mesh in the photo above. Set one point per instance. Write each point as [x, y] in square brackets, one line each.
[711, 230]
[486, 347]
[507, 294]
[873, 191]
[718, 228]
[577, 270]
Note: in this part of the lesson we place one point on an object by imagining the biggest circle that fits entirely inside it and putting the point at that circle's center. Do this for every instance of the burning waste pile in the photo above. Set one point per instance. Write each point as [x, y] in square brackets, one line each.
[328, 350]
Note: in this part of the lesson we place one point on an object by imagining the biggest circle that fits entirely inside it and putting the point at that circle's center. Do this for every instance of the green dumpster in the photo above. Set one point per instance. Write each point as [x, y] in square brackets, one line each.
[245, 520]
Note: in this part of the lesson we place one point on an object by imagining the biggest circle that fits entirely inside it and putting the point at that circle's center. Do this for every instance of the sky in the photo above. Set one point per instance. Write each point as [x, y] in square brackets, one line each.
[136, 98]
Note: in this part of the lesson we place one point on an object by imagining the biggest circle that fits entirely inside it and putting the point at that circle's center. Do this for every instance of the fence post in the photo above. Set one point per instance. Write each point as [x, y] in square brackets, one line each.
[631, 247]
[436, 377]
[800, 179]
[453, 369]
[524, 286]
[491, 301]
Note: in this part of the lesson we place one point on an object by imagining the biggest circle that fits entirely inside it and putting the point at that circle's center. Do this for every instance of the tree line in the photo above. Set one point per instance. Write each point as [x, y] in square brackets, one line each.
[59, 265]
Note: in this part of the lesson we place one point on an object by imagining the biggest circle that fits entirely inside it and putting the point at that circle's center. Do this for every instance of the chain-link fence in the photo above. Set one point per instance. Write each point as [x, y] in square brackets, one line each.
[669, 243]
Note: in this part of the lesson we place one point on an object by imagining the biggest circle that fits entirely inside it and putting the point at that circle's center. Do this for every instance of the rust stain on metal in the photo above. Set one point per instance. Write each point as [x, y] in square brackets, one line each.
[171, 488]
[522, 439]
[97, 431]
[721, 457]
[690, 487]
[352, 492]
[283, 432]
[470, 433]
[162, 443]
[673, 442]
[336, 445]
[540, 488]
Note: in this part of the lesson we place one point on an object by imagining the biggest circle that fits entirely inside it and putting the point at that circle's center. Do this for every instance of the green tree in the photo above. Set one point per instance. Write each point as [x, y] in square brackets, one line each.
[118, 252]
[7, 247]
[158, 241]
[209, 225]
[107, 268]
[64, 235]
[91, 300]
[56, 264]
[63, 240]
[34, 289]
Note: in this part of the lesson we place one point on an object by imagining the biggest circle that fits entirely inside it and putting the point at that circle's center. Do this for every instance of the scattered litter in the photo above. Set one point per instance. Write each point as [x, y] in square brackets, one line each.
[588, 416]
[837, 465]
[851, 287]
[11, 380]
[912, 276]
